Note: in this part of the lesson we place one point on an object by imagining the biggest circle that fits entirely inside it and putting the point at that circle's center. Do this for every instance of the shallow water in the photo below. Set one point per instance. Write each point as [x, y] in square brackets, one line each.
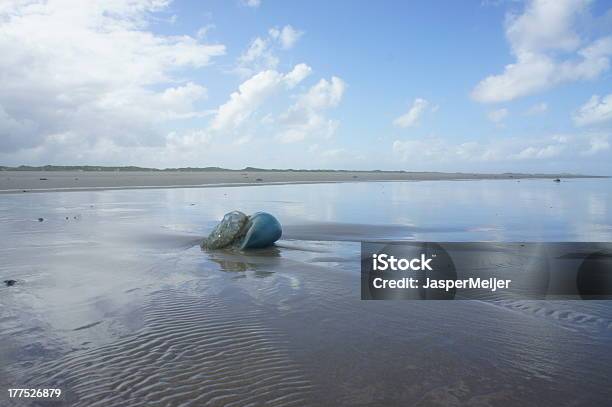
[117, 305]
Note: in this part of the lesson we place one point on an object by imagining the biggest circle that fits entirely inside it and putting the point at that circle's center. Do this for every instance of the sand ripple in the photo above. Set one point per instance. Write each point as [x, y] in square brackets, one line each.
[193, 351]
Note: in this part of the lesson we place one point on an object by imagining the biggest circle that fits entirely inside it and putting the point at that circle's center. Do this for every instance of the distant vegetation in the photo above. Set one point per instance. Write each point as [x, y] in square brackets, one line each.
[133, 168]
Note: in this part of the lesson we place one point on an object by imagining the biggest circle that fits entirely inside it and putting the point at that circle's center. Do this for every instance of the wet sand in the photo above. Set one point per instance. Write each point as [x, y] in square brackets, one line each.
[38, 181]
[117, 305]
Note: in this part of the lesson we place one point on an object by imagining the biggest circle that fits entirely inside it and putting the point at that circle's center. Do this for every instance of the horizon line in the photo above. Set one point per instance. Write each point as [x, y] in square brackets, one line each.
[93, 168]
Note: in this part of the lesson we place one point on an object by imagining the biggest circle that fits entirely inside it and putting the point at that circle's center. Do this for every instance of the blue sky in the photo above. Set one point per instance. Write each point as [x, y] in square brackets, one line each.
[441, 86]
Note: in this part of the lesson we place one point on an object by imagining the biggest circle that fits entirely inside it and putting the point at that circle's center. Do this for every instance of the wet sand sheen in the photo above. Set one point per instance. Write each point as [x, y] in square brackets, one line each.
[283, 339]
[193, 351]
[159, 322]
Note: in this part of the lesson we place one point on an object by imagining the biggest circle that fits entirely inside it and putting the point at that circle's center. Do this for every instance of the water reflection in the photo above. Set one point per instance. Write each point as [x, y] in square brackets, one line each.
[253, 260]
[125, 269]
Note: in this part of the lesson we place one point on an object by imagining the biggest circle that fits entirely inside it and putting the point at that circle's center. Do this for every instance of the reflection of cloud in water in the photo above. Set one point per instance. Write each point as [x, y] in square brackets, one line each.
[133, 262]
[597, 206]
[592, 232]
[334, 231]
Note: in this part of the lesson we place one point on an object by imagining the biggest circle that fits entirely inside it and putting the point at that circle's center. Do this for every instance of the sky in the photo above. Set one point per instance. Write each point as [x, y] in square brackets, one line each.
[484, 85]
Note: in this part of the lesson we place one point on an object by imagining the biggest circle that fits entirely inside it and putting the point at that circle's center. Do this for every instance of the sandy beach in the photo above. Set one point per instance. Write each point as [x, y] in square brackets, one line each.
[116, 304]
[39, 181]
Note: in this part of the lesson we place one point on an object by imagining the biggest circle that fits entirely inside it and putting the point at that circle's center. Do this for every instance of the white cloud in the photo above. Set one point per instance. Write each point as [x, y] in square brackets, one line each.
[561, 138]
[548, 51]
[87, 72]
[249, 96]
[324, 94]
[187, 140]
[596, 110]
[251, 3]
[305, 118]
[261, 53]
[562, 148]
[203, 31]
[333, 153]
[298, 74]
[341, 158]
[252, 93]
[259, 56]
[432, 150]
[545, 24]
[242, 140]
[597, 144]
[267, 120]
[539, 152]
[411, 118]
[537, 109]
[286, 36]
[498, 116]
[421, 149]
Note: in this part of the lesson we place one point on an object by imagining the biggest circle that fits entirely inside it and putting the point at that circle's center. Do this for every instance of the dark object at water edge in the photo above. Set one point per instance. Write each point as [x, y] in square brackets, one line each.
[40, 219]
[557, 180]
[10, 283]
